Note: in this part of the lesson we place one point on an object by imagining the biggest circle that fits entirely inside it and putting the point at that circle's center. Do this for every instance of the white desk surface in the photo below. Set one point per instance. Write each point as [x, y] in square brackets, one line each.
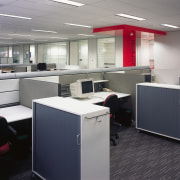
[16, 113]
[170, 86]
[99, 97]
[81, 108]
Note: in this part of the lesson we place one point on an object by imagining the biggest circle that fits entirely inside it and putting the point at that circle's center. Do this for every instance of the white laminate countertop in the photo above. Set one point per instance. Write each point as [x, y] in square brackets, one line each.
[170, 86]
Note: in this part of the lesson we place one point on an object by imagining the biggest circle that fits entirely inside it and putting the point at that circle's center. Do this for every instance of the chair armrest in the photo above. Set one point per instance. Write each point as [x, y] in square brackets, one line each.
[12, 130]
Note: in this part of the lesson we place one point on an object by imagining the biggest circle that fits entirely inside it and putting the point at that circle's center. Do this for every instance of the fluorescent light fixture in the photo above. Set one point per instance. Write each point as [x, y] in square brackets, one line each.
[73, 3]
[58, 38]
[19, 35]
[22, 42]
[5, 43]
[13, 16]
[85, 35]
[5, 38]
[38, 40]
[168, 25]
[131, 17]
[39, 30]
[70, 24]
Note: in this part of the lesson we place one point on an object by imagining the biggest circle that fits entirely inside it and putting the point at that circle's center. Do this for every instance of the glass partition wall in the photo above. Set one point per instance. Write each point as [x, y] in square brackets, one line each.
[4, 52]
[55, 53]
[106, 52]
[26, 54]
[75, 53]
[79, 53]
[16, 54]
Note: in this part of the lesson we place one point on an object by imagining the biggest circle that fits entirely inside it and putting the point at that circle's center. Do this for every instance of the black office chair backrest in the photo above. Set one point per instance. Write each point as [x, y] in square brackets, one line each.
[41, 66]
[4, 131]
[112, 102]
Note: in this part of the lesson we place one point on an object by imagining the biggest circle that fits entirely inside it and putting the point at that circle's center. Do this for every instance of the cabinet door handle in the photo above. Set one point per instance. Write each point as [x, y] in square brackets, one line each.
[78, 139]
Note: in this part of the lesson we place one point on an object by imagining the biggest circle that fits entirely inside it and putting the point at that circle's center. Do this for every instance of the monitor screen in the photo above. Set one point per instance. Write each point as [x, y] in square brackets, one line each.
[41, 66]
[87, 86]
[82, 88]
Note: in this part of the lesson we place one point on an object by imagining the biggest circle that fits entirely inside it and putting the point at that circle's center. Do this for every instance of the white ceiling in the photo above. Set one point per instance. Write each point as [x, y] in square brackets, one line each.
[51, 16]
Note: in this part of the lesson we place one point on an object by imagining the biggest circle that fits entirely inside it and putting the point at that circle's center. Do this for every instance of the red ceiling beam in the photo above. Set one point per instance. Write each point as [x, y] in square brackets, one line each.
[128, 27]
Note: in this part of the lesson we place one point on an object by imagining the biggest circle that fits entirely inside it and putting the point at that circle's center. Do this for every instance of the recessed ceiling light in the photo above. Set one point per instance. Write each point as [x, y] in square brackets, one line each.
[131, 17]
[5, 38]
[22, 42]
[13, 16]
[39, 30]
[73, 3]
[38, 40]
[78, 25]
[19, 34]
[5, 42]
[85, 35]
[58, 38]
[168, 25]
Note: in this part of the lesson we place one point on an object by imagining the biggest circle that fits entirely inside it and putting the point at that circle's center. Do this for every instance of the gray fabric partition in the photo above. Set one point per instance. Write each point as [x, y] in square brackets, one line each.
[96, 76]
[67, 79]
[20, 68]
[125, 83]
[33, 89]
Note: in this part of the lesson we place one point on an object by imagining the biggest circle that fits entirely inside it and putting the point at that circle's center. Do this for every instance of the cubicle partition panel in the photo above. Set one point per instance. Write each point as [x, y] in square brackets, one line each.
[35, 89]
[96, 76]
[53, 79]
[9, 92]
[139, 71]
[51, 66]
[20, 68]
[126, 83]
[70, 78]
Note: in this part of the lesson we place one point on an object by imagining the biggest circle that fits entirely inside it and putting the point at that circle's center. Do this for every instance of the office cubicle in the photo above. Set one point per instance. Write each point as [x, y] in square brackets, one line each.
[126, 81]
[58, 84]
[35, 89]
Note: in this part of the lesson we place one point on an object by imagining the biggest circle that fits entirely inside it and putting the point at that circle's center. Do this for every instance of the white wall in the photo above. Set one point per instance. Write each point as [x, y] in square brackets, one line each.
[167, 58]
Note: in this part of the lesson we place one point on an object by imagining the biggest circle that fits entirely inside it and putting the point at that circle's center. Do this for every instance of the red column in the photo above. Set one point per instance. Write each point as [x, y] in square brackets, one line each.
[129, 48]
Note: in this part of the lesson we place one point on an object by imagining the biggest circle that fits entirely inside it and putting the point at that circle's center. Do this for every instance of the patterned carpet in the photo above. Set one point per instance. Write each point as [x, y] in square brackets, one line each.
[138, 156]
[143, 156]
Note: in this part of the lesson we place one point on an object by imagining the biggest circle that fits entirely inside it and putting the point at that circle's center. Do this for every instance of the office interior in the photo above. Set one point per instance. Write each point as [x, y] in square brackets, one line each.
[75, 52]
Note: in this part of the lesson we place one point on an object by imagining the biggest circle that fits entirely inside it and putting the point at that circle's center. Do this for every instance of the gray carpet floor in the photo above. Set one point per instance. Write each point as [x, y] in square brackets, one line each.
[138, 156]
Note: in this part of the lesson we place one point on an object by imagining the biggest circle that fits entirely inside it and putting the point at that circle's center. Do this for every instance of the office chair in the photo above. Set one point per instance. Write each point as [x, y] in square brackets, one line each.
[6, 132]
[12, 141]
[112, 102]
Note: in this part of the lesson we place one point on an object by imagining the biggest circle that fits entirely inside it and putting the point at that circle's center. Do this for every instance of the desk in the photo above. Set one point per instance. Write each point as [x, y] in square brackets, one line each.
[100, 97]
[16, 113]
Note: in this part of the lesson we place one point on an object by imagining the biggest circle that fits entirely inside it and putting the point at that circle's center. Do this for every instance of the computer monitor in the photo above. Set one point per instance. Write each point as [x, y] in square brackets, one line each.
[82, 88]
[41, 66]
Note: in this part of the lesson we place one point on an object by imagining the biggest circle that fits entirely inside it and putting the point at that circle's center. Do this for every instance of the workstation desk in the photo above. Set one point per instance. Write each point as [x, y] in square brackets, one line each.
[99, 97]
[19, 112]
[16, 113]
[81, 128]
